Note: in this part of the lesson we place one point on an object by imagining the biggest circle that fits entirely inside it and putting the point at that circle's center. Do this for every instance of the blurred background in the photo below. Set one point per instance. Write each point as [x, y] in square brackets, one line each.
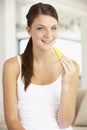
[72, 35]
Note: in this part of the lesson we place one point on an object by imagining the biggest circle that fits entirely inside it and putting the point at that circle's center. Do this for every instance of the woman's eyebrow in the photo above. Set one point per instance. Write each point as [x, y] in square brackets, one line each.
[46, 26]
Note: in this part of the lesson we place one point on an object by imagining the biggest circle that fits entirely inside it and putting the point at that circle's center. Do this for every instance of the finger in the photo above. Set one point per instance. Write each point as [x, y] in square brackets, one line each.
[68, 60]
[67, 64]
[65, 67]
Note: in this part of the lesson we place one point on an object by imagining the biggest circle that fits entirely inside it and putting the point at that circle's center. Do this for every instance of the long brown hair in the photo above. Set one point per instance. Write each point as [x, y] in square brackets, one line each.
[27, 56]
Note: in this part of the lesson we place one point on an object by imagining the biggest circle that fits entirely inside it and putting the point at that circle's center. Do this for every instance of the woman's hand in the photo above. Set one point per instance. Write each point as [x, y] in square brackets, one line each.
[70, 70]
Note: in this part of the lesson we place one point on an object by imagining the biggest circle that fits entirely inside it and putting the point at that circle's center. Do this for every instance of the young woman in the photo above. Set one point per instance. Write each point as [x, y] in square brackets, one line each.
[39, 87]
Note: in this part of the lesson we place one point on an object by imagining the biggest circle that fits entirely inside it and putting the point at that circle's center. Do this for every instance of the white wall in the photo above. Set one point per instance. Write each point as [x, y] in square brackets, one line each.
[2, 41]
[8, 45]
[84, 51]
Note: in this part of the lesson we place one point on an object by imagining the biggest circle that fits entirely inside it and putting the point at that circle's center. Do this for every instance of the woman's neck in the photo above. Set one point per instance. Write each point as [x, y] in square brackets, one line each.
[42, 56]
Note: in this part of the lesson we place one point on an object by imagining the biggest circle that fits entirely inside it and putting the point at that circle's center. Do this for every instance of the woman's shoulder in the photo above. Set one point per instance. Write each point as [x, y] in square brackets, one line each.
[11, 65]
[11, 62]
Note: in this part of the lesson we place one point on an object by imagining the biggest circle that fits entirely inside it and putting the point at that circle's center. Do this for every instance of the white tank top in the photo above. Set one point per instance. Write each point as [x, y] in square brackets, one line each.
[38, 105]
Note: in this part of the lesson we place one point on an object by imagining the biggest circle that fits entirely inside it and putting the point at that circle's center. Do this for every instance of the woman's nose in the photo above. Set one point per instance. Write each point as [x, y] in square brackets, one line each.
[48, 33]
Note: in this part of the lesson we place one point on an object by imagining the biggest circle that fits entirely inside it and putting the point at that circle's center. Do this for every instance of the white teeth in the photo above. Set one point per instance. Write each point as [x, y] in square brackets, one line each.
[46, 41]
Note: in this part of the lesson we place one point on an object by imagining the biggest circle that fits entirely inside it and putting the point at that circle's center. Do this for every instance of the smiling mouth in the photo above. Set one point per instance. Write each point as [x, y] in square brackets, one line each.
[47, 41]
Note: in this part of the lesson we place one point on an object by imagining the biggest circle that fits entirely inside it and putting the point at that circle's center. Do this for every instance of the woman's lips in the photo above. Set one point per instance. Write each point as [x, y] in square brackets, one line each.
[47, 41]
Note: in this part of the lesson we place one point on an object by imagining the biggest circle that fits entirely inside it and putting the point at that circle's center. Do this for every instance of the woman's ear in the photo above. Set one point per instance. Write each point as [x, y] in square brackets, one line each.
[28, 29]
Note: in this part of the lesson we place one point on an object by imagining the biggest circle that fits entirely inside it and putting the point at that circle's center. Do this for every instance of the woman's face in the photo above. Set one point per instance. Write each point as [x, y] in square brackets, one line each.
[43, 31]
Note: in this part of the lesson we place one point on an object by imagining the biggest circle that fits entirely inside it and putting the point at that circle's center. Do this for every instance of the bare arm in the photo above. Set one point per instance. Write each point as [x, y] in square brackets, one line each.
[10, 74]
[70, 79]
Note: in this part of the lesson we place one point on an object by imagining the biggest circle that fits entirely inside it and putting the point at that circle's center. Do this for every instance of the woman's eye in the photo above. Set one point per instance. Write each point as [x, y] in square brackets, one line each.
[54, 28]
[41, 28]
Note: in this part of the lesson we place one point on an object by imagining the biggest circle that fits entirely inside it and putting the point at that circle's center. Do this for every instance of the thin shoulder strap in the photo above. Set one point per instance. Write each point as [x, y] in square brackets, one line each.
[57, 52]
[19, 61]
